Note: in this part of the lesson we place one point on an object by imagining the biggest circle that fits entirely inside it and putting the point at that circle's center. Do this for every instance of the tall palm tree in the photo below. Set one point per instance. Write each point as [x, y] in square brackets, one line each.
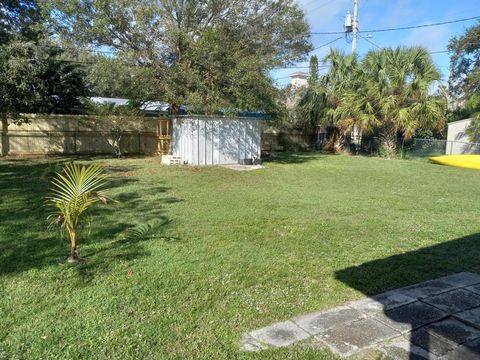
[395, 94]
[389, 92]
[323, 97]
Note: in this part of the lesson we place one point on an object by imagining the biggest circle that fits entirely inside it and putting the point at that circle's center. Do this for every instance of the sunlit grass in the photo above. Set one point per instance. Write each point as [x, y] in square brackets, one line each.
[190, 258]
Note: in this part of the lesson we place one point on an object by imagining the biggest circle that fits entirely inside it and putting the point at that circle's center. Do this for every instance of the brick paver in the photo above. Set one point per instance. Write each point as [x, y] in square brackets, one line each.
[436, 319]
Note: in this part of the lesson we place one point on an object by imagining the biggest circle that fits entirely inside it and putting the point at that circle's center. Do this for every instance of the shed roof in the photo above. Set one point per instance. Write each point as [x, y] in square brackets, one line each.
[459, 121]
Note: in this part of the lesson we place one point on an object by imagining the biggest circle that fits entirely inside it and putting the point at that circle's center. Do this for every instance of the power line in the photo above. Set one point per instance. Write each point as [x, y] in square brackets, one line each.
[298, 67]
[371, 42]
[450, 14]
[400, 28]
[328, 43]
[283, 77]
[327, 32]
[430, 52]
[379, 47]
[422, 26]
[320, 5]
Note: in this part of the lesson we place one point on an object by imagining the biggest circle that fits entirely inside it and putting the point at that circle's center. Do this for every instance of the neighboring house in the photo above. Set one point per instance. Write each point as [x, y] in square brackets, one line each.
[299, 79]
[458, 141]
[299, 82]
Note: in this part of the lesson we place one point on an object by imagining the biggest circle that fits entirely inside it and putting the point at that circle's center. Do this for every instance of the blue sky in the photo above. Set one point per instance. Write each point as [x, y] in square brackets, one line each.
[327, 15]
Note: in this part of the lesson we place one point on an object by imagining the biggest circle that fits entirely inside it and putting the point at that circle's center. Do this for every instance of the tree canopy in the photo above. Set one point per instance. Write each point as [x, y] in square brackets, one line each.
[33, 77]
[212, 54]
[465, 63]
[19, 18]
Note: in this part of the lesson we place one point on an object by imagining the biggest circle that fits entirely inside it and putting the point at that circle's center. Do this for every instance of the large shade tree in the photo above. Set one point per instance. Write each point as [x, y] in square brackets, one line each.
[465, 63]
[464, 82]
[210, 54]
[33, 76]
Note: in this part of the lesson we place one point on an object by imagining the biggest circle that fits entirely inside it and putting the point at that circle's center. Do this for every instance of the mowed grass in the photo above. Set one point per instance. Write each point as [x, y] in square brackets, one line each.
[215, 253]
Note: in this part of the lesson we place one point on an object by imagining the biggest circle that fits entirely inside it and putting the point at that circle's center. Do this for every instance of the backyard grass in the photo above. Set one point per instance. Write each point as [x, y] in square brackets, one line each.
[215, 253]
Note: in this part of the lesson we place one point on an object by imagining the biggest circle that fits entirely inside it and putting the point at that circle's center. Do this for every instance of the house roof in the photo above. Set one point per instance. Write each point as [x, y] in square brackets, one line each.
[299, 74]
[163, 107]
[106, 100]
[459, 121]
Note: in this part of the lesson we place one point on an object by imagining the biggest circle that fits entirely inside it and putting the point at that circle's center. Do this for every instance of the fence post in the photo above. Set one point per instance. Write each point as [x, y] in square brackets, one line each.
[5, 138]
[75, 143]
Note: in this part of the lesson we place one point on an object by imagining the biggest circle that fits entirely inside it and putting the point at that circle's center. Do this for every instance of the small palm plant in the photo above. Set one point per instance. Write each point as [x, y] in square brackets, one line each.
[74, 191]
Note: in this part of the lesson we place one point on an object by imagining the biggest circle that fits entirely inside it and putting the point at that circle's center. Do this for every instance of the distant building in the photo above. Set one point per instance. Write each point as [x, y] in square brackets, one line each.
[299, 79]
[299, 83]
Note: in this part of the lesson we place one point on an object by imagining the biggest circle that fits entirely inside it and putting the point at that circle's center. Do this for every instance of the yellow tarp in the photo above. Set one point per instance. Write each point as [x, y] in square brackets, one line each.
[462, 161]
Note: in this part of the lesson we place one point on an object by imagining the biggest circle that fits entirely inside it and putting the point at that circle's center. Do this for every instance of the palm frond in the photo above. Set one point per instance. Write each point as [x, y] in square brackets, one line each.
[74, 190]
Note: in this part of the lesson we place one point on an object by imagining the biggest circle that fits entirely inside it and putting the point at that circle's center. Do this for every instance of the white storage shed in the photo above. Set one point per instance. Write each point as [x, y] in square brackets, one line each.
[216, 141]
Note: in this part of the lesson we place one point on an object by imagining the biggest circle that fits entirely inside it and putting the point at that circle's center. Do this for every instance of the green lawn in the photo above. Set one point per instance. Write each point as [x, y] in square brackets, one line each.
[216, 253]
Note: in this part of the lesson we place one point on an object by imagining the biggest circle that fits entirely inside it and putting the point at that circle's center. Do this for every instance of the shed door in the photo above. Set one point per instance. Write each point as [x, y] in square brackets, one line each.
[230, 140]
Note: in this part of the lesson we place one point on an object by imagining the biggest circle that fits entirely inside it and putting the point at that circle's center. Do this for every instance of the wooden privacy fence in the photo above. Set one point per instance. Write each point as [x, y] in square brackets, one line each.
[77, 134]
[290, 140]
[74, 134]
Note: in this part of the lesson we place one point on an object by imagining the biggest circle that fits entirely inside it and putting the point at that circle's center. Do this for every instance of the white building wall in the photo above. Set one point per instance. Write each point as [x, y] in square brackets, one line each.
[210, 141]
[299, 82]
[457, 139]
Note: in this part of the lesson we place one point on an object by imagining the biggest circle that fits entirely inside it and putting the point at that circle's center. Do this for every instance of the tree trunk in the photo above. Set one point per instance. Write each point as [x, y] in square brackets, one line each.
[73, 247]
[118, 146]
[338, 141]
[5, 137]
[388, 140]
[174, 109]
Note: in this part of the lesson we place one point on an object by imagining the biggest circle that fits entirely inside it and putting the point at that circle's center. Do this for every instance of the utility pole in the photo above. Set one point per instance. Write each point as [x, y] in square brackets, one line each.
[355, 26]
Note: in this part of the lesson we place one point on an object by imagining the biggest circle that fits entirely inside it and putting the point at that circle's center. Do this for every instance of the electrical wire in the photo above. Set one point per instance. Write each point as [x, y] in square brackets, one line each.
[298, 67]
[400, 28]
[371, 42]
[422, 26]
[320, 5]
[328, 43]
[430, 52]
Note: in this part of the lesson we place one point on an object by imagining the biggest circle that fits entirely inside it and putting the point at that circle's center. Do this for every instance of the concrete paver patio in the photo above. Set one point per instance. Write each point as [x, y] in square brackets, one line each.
[436, 319]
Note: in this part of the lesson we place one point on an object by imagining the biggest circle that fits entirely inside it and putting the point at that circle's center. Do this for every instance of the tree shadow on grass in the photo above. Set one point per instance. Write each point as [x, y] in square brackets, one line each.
[377, 276]
[25, 242]
[292, 158]
[127, 248]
